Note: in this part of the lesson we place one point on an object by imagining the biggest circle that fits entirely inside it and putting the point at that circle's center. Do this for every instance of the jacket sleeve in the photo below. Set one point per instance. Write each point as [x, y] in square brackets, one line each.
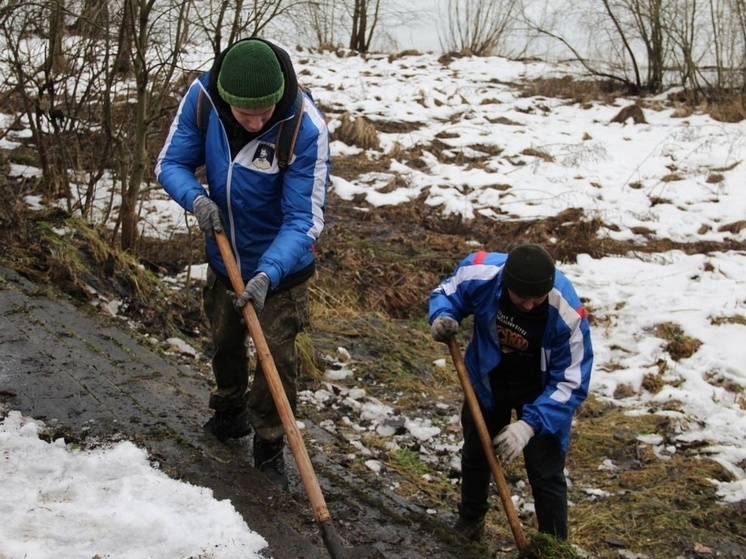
[568, 358]
[448, 299]
[304, 190]
[183, 152]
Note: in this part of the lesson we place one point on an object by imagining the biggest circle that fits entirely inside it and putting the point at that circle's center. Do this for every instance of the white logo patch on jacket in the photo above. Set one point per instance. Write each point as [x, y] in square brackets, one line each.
[264, 156]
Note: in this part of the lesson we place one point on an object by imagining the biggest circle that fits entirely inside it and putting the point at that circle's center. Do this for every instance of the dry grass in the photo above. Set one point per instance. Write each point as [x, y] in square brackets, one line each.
[349, 167]
[544, 546]
[630, 112]
[543, 155]
[649, 502]
[735, 227]
[87, 261]
[678, 344]
[730, 110]
[577, 91]
[358, 131]
[735, 319]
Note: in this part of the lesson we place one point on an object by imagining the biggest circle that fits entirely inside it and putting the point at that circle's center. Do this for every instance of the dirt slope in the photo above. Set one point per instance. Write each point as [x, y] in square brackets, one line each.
[96, 381]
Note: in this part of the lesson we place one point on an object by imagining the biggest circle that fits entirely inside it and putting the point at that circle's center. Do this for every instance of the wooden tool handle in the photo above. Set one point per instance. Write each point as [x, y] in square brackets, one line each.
[484, 436]
[295, 440]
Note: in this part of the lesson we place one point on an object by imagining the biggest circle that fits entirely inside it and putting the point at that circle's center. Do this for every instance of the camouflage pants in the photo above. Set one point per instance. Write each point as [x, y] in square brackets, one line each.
[284, 316]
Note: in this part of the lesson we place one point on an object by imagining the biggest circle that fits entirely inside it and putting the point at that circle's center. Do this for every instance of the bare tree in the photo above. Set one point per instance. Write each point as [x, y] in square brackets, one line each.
[478, 26]
[93, 19]
[55, 56]
[590, 54]
[648, 17]
[227, 16]
[682, 27]
[358, 23]
[738, 9]
[86, 117]
[39, 76]
[364, 20]
[154, 63]
[223, 22]
[635, 30]
[322, 19]
[724, 52]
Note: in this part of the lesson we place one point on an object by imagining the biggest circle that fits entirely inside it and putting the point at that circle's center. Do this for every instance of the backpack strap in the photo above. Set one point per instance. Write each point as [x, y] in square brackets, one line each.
[286, 141]
[203, 111]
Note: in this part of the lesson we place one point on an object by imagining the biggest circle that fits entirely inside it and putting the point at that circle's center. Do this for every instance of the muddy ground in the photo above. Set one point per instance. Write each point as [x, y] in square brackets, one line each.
[90, 379]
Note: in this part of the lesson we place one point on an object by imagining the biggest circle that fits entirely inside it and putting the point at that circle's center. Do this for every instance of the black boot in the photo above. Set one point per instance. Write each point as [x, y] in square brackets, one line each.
[229, 424]
[269, 459]
[470, 529]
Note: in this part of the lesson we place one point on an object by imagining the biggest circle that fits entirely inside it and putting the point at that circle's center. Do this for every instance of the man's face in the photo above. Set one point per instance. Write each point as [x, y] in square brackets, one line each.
[253, 120]
[526, 304]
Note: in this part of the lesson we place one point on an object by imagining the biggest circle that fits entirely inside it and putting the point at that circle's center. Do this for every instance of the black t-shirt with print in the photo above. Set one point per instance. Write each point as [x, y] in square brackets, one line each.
[520, 334]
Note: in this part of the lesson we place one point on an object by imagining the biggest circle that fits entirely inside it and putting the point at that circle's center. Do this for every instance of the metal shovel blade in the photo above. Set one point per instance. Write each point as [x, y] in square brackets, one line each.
[334, 545]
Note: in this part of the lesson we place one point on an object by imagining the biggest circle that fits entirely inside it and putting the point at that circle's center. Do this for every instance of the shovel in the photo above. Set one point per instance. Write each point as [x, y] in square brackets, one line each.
[332, 541]
[484, 436]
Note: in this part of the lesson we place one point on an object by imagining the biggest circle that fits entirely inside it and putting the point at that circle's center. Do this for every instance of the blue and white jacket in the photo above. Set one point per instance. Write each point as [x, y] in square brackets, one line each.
[566, 354]
[272, 218]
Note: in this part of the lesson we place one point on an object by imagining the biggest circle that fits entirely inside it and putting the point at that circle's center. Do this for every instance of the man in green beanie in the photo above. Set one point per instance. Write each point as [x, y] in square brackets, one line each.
[530, 354]
[272, 212]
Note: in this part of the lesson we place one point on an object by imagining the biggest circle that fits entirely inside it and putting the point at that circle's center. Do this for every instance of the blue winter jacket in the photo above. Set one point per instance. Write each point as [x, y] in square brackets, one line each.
[566, 354]
[272, 218]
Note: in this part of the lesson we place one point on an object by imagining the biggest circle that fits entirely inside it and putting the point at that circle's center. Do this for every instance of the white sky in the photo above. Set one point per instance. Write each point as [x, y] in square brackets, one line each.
[612, 171]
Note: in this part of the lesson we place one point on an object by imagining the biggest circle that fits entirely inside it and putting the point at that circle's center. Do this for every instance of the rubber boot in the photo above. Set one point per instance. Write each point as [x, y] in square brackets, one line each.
[229, 424]
[269, 459]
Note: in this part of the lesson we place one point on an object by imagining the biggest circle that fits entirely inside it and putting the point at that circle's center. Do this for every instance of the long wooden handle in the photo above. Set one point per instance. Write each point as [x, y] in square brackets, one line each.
[295, 440]
[484, 436]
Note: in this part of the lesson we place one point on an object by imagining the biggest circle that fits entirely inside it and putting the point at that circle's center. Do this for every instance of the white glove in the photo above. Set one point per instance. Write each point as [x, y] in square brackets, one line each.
[443, 328]
[510, 441]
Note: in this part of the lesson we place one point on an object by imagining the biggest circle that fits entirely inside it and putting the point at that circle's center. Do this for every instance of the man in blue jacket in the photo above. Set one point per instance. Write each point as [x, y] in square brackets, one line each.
[530, 353]
[272, 216]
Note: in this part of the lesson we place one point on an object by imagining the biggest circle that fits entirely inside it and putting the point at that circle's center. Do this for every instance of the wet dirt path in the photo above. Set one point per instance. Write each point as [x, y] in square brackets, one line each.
[86, 376]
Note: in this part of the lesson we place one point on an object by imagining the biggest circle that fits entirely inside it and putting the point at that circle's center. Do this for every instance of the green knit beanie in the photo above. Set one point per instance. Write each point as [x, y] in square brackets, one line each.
[250, 76]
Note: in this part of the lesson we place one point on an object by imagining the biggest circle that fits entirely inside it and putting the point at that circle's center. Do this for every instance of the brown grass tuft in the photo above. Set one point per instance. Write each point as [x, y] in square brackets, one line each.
[579, 91]
[730, 110]
[358, 132]
[624, 391]
[735, 319]
[734, 227]
[653, 383]
[633, 112]
[543, 155]
[679, 345]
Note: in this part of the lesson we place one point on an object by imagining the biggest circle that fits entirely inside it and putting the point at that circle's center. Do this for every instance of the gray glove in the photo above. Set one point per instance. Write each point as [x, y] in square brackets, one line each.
[256, 291]
[511, 440]
[208, 215]
[443, 328]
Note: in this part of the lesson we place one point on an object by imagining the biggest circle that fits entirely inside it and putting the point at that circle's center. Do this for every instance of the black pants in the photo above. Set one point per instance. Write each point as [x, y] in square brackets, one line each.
[545, 465]
[284, 316]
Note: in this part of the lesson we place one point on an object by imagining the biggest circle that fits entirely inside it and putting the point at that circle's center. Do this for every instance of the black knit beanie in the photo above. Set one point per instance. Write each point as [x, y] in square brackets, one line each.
[529, 271]
[250, 76]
